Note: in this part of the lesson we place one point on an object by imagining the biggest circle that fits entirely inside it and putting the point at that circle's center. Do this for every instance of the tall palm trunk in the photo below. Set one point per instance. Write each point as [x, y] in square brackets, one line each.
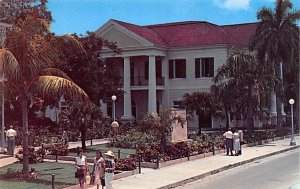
[278, 94]
[25, 137]
[227, 118]
[250, 111]
[199, 124]
[83, 136]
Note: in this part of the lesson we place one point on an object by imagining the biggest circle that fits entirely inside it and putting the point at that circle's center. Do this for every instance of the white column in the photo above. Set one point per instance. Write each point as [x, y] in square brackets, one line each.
[165, 93]
[127, 92]
[281, 77]
[103, 107]
[273, 112]
[152, 85]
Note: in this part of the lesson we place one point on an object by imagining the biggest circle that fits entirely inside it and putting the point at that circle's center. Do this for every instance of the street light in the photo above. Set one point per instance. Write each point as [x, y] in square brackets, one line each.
[293, 141]
[2, 80]
[114, 98]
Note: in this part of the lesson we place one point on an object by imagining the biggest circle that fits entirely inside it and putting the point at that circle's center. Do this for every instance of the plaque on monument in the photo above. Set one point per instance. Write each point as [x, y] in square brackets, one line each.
[179, 132]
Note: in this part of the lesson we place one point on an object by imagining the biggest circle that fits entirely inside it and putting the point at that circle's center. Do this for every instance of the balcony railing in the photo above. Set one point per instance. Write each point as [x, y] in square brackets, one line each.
[141, 81]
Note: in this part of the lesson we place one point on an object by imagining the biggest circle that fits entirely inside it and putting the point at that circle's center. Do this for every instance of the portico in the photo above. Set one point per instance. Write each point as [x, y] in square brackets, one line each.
[140, 64]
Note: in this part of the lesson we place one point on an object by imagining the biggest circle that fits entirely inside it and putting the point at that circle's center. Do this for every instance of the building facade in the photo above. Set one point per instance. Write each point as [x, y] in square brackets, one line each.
[160, 63]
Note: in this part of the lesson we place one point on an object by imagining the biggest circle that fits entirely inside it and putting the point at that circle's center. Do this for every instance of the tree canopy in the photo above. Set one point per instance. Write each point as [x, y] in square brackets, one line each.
[12, 10]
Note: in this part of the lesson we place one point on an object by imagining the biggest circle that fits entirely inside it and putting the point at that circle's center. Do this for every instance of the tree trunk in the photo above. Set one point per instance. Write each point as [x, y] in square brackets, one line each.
[163, 142]
[279, 88]
[25, 138]
[250, 111]
[227, 118]
[199, 124]
[83, 137]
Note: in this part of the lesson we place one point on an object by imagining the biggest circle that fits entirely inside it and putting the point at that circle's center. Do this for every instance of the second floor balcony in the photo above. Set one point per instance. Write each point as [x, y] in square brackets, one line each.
[142, 81]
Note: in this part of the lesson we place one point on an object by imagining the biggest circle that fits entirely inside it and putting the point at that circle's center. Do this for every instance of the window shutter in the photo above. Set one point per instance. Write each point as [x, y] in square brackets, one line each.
[197, 68]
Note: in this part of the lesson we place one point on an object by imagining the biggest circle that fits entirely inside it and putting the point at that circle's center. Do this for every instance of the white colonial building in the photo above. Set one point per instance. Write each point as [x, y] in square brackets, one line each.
[160, 63]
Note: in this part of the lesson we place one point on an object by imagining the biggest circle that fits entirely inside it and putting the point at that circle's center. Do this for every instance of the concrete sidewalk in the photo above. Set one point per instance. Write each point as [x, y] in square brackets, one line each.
[88, 143]
[182, 173]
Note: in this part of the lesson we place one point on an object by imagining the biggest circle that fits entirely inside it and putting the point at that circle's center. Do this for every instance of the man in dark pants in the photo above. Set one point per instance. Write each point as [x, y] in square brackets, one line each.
[11, 138]
[229, 141]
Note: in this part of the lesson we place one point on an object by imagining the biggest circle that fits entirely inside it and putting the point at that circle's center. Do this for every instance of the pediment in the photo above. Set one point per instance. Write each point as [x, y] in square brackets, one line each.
[125, 38]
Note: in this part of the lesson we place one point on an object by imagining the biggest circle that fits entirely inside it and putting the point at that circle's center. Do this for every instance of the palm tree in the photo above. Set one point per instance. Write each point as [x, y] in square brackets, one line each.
[81, 116]
[28, 62]
[200, 103]
[276, 37]
[248, 78]
[161, 124]
[224, 98]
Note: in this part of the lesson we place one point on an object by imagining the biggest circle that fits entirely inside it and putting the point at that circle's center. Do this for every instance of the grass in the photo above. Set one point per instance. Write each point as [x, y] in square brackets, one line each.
[64, 176]
[91, 151]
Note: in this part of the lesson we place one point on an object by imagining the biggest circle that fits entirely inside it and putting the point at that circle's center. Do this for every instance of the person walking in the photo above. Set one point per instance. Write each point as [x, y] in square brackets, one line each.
[110, 167]
[99, 169]
[228, 141]
[81, 168]
[236, 143]
[241, 140]
[65, 138]
[11, 140]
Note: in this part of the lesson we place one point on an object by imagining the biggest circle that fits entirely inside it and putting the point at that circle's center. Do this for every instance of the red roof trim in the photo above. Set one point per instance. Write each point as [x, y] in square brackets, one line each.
[193, 33]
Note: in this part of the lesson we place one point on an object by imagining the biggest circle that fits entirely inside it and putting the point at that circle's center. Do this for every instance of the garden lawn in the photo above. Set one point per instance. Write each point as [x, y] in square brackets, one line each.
[91, 151]
[64, 176]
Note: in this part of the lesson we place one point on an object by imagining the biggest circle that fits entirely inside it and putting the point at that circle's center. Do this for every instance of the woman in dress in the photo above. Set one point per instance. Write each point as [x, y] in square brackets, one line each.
[99, 169]
[110, 167]
[81, 168]
[236, 143]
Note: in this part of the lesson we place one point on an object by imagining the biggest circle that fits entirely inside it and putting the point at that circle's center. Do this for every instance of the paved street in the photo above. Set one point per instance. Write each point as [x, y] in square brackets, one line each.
[276, 172]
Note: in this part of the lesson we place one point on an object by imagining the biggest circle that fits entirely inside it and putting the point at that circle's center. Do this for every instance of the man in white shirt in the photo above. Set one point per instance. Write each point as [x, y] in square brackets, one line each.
[11, 139]
[228, 141]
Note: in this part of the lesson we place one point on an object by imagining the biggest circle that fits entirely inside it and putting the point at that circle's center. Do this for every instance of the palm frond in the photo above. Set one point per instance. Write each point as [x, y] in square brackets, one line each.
[54, 72]
[9, 66]
[48, 86]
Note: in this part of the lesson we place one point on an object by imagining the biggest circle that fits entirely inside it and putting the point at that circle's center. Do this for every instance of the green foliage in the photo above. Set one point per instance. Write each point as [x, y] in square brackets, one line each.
[133, 139]
[126, 164]
[57, 148]
[11, 10]
[35, 156]
[200, 103]
[101, 81]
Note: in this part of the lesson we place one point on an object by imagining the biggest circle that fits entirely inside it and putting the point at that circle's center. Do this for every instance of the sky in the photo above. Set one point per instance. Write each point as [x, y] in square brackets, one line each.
[80, 16]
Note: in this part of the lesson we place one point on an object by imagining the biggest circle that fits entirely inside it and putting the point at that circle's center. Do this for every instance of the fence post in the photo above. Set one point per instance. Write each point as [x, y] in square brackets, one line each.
[53, 179]
[213, 148]
[43, 151]
[140, 168]
[119, 153]
[157, 161]
[56, 157]
[77, 150]
[188, 154]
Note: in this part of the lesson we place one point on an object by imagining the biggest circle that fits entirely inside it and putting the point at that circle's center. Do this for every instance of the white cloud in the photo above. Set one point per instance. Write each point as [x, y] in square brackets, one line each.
[233, 4]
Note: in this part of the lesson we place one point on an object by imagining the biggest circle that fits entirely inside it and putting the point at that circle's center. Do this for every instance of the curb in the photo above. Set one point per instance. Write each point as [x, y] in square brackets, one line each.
[230, 166]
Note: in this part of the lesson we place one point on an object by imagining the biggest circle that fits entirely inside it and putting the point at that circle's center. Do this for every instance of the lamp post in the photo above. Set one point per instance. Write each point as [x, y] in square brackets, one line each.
[114, 98]
[2, 80]
[293, 141]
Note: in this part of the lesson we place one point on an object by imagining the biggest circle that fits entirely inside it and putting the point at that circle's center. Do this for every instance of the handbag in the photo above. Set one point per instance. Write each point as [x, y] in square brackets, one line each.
[79, 174]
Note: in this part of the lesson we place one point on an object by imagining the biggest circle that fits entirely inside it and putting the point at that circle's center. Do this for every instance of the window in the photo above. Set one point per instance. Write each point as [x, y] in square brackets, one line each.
[177, 68]
[204, 67]
[178, 104]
